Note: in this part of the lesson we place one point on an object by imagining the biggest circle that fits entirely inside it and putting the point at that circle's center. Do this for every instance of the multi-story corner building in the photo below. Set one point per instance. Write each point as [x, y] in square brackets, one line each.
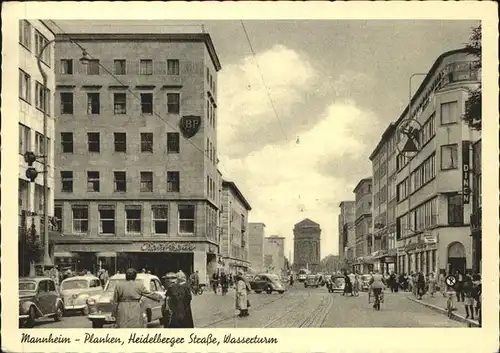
[33, 36]
[363, 226]
[256, 234]
[274, 255]
[307, 245]
[234, 226]
[347, 233]
[384, 202]
[433, 185]
[477, 205]
[137, 181]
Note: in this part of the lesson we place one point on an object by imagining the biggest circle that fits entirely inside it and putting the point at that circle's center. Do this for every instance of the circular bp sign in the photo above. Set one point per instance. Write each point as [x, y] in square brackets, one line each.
[451, 280]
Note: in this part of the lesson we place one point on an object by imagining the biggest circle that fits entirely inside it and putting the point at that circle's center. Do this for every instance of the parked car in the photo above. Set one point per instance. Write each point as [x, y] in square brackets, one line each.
[100, 307]
[38, 297]
[268, 283]
[76, 290]
[313, 281]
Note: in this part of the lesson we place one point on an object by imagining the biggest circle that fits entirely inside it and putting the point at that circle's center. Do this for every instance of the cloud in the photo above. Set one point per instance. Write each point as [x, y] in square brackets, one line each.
[329, 140]
[245, 109]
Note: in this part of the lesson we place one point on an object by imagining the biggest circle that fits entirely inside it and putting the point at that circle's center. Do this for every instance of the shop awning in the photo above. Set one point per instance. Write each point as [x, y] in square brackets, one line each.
[106, 254]
[64, 254]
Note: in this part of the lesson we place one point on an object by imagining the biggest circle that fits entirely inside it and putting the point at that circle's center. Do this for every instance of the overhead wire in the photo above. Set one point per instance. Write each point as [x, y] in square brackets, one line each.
[85, 51]
[263, 80]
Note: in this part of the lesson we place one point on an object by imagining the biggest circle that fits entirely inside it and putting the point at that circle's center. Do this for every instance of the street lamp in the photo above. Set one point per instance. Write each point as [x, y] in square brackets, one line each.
[47, 261]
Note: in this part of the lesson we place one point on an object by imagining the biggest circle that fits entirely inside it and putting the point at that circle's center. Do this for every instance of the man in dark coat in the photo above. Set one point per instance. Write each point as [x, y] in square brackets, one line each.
[178, 302]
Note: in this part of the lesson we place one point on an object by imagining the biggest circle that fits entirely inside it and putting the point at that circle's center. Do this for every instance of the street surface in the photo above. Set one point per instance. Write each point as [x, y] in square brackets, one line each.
[298, 307]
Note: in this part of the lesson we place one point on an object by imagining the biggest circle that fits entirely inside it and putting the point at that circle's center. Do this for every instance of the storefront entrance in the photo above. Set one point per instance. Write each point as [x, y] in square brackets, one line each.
[158, 263]
[456, 258]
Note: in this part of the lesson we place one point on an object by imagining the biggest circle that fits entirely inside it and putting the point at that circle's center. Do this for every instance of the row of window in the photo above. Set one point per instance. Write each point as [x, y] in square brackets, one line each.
[25, 39]
[119, 103]
[212, 190]
[25, 143]
[133, 219]
[119, 181]
[93, 67]
[25, 92]
[427, 170]
[120, 142]
[425, 216]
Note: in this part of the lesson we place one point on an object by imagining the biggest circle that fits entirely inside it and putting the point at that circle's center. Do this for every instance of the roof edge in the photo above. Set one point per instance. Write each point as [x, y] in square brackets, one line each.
[231, 185]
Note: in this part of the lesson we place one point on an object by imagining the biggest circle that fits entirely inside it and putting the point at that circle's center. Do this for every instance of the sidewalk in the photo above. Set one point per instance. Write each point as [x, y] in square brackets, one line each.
[438, 303]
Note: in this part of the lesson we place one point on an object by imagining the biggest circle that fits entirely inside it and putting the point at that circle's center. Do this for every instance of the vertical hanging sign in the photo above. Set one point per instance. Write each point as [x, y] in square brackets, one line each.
[466, 172]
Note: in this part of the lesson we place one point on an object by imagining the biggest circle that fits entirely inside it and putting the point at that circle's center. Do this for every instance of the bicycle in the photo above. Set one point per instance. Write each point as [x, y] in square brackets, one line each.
[379, 298]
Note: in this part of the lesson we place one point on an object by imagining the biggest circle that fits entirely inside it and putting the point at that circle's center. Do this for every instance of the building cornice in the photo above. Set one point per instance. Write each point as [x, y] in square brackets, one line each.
[145, 37]
[362, 181]
[232, 186]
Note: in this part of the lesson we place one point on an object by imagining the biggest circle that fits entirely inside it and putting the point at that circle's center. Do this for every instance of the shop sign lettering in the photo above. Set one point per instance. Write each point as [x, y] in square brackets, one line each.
[168, 247]
[465, 172]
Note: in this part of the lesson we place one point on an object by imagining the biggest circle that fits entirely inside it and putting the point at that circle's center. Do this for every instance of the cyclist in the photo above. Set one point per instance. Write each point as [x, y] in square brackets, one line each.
[377, 285]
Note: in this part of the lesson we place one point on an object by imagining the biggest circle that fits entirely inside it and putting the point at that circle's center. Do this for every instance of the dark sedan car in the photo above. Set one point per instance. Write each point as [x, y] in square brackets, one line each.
[267, 283]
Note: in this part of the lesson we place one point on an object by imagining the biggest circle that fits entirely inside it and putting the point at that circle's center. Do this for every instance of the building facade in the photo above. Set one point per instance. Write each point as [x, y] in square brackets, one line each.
[307, 245]
[274, 255]
[384, 202]
[234, 226]
[137, 181]
[433, 185]
[477, 205]
[363, 226]
[347, 233]
[256, 235]
[33, 36]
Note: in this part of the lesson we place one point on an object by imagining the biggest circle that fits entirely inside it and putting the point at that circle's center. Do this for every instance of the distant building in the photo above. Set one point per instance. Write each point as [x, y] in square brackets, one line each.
[274, 255]
[347, 234]
[363, 225]
[256, 234]
[234, 226]
[307, 245]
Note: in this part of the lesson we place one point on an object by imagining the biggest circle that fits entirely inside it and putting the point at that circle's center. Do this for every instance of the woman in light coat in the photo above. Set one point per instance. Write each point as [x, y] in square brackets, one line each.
[241, 295]
[431, 282]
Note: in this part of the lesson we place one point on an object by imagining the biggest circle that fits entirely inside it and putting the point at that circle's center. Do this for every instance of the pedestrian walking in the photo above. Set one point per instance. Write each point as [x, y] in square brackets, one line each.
[468, 299]
[476, 295]
[348, 284]
[357, 285]
[442, 282]
[126, 299]
[215, 282]
[393, 282]
[459, 288]
[241, 295]
[432, 284]
[178, 303]
[224, 283]
[103, 277]
[420, 285]
[291, 281]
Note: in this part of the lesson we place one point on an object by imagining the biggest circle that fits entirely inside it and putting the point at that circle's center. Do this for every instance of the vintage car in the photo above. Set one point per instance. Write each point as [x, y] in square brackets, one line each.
[76, 290]
[336, 283]
[313, 281]
[100, 307]
[267, 282]
[365, 282]
[38, 297]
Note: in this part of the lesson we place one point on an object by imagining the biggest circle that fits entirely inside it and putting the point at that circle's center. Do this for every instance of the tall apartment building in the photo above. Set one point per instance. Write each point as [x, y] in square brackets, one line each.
[256, 234]
[274, 255]
[384, 202]
[307, 245]
[347, 233]
[433, 186]
[363, 226]
[234, 226]
[33, 36]
[137, 183]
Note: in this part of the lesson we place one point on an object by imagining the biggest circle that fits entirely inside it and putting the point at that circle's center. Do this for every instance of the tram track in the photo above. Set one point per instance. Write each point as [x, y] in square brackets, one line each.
[228, 317]
[289, 310]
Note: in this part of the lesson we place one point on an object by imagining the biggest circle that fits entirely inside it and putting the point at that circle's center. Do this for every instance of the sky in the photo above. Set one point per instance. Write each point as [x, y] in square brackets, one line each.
[299, 115]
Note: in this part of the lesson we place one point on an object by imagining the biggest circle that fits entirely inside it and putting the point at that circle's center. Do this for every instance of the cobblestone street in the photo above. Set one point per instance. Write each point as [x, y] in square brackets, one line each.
[298, 307]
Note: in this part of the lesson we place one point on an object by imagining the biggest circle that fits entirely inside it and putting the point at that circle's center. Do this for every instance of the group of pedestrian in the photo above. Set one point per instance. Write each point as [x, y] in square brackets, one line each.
[352, 283]
[222, 280]
[176, 307]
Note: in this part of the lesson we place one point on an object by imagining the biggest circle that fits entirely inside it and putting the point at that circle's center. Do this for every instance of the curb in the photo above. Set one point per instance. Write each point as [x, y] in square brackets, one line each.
[454, 316]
